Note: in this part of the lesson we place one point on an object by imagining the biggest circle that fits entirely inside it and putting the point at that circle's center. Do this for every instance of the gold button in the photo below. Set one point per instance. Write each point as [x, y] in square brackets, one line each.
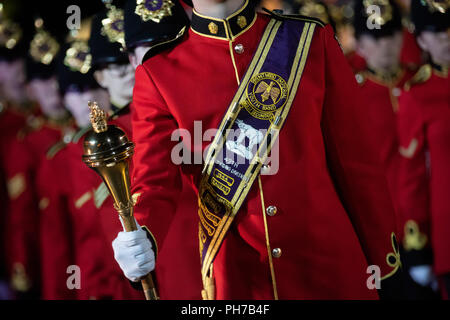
[271, 210]
[359, 78]
[276, 253]
[396, 92]
[43, 203]
[265, 169]
[239, 48]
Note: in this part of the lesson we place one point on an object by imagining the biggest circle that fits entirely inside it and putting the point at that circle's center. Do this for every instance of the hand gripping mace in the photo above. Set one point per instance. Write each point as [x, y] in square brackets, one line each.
[108, 152]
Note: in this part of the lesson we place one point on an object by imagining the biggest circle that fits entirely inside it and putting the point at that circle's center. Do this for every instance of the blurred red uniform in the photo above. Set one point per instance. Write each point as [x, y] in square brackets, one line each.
[72, 232]
[22, 163]
[424, 131]
[329, 193]
[381, 94]
[11, 122]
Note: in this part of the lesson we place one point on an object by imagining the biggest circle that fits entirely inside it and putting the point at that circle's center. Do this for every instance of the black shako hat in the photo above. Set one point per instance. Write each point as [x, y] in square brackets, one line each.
[152, 21]
[427, 17]
[106, 40]
[16, 29]
[386, 23]
[73, 68]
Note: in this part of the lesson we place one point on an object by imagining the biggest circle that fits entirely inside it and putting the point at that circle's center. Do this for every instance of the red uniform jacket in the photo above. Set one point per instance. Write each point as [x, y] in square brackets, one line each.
[10, 123]
[424, 131]
[381, 104]
[22, 163]
[333, 212]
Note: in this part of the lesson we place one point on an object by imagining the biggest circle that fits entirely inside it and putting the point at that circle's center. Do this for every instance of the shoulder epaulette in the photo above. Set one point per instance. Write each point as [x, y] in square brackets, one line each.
[421, 76]
[53, 150]
[33, 124]
[163, 45]
[279, 16]
[77, 136]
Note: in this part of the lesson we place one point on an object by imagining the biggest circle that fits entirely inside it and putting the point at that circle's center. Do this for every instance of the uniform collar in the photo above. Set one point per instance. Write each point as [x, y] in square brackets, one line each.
[225, 29]
[117, 112]
[388, 78]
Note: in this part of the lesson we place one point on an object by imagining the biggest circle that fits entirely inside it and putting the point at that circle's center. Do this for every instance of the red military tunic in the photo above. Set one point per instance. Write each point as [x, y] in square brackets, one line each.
[22, 163]
[11, 122]
[333, 212]
[381, 94]
[424, 131]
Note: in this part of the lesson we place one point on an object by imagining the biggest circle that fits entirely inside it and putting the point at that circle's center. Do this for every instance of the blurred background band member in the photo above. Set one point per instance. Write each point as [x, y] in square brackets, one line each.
[424, 135]
[382, 79]
[91, 219]
[62, 237]
[13, 109]
[24, 157]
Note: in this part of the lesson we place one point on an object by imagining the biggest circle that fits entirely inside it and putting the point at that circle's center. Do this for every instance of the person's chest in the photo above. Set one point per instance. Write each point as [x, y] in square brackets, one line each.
[200, 80]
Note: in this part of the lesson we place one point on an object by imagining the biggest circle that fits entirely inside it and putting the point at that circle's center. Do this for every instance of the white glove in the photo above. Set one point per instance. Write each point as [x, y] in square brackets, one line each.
[134, 254]
[424, 276]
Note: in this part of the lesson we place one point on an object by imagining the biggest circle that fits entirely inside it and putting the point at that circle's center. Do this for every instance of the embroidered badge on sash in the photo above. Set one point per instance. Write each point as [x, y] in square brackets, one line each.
[154, 10]
[266, 93]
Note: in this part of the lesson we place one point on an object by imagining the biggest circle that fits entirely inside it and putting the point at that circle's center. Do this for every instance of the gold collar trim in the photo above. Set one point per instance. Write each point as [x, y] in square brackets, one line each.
[385, 78]
[224, 29]
[440, 70]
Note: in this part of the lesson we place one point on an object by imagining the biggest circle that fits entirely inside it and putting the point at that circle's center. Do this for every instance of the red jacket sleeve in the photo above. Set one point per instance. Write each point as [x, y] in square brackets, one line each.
[156, 181]
[355, 163]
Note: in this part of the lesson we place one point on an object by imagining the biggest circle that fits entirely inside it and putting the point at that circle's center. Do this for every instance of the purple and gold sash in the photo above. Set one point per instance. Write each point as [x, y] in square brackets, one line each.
[249, 129]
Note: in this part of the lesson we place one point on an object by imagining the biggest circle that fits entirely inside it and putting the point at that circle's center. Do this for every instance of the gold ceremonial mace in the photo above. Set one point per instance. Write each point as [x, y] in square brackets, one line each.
[108, 152]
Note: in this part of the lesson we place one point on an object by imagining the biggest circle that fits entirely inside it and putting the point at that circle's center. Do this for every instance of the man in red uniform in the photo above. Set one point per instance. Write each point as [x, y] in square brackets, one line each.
[381, 81]
[424, 122]
[64, 237]
[12, 115]
[22, 161]
[307, 231]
